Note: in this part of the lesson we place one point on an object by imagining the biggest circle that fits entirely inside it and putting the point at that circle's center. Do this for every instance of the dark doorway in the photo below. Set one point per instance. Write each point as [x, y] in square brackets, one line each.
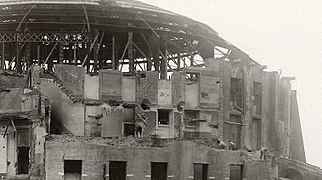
[128, 126]
[159, 171]
[23, 160]
[200, 171]
[163, 116]
[72, 169]
[117, 170]
[23, 148]
[236, 172]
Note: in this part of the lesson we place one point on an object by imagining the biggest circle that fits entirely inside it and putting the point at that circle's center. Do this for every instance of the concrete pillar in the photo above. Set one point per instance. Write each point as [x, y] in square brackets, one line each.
[95, 51]
[18, 59]
[113, 53]
[154, 42]
[149, 63]
[130, 53]
[2, 56]
[164, 61]
[28, 55]
[88, 49]
[225, 96]
[39, 55]
[179, 61]
[60, 53]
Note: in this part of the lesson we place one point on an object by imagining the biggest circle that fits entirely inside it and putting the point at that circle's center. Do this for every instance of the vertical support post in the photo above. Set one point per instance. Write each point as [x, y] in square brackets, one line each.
[95, 57]
[95, 53]
[18, 59]
[28, 55]
[154, 42]
[38, 55]
[2, 57]
[179, 61]
[149, 63]
[113, 53]
[75, 54]
[88, 60]
[70, 53]
[117, 60]
[50, 64]
[191, 60]
[61, 53]
[130, 52]
[164, 61]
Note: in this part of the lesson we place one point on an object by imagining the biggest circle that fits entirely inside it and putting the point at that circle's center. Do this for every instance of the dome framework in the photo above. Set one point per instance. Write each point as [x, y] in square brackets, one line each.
[123, 35]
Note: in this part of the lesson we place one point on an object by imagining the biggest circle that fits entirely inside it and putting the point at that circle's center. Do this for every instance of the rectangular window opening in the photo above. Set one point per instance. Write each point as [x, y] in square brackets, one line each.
[117, 170]
[159, 170]
[236, 172]
[200, 171]
[72, 169]
[256, 132]
[163, 116]
[236, 94]
[23, 148]
[257, 98]
[192, 77]
[190, 116]
[232, 130]
[129, 128]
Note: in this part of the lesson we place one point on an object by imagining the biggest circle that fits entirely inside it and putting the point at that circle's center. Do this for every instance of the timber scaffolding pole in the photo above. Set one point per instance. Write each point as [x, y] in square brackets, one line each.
[155, 50]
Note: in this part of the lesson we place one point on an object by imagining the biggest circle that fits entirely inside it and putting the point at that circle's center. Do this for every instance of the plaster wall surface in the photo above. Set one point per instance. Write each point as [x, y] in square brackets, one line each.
[11, 100]
[112, 121]
[3, 153]
[209, 92]
[297, 146]
[13, 81]
[91, 87]
[165, 93]
[92, 120]
[180, 157]
[129, 89]
[11, 152]
[72, 77]
[151, 89]
[259, 170]
[110, 84]
[192, 94]
[69, 114]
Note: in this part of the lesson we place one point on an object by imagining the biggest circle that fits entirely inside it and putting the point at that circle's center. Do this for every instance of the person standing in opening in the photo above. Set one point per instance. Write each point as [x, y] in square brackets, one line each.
[232, 145]
[221, 144]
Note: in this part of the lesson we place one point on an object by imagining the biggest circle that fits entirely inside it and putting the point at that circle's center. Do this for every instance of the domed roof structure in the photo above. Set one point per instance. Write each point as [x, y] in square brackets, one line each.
[106, 23]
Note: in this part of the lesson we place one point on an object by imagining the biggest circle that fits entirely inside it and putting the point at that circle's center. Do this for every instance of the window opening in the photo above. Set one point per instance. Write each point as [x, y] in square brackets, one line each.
[236, 172]
[23, 148]
[117, 170]
[163, 117]
[72, 169]
[200, 171]
[235, 94]
[190, 117]
[159, 170]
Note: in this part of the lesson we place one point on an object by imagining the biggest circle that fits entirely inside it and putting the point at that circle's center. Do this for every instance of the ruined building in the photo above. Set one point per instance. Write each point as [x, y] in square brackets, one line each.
[119, 89]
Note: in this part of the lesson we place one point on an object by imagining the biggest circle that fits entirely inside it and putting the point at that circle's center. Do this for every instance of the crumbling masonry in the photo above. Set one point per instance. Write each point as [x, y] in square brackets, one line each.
[106, 89]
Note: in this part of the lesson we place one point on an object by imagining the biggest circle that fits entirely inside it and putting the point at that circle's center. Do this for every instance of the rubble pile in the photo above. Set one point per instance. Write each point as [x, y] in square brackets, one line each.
[125, 142]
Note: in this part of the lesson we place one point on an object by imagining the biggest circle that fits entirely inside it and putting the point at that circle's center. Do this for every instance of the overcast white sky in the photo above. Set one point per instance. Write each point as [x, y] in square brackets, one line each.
[282, 34]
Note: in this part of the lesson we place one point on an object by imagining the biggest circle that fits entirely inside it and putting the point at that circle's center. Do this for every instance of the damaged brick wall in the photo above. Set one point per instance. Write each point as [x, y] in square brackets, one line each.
[72, 77]
[180, 157]
[9, 80]
[151, 123]
[151, 89]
